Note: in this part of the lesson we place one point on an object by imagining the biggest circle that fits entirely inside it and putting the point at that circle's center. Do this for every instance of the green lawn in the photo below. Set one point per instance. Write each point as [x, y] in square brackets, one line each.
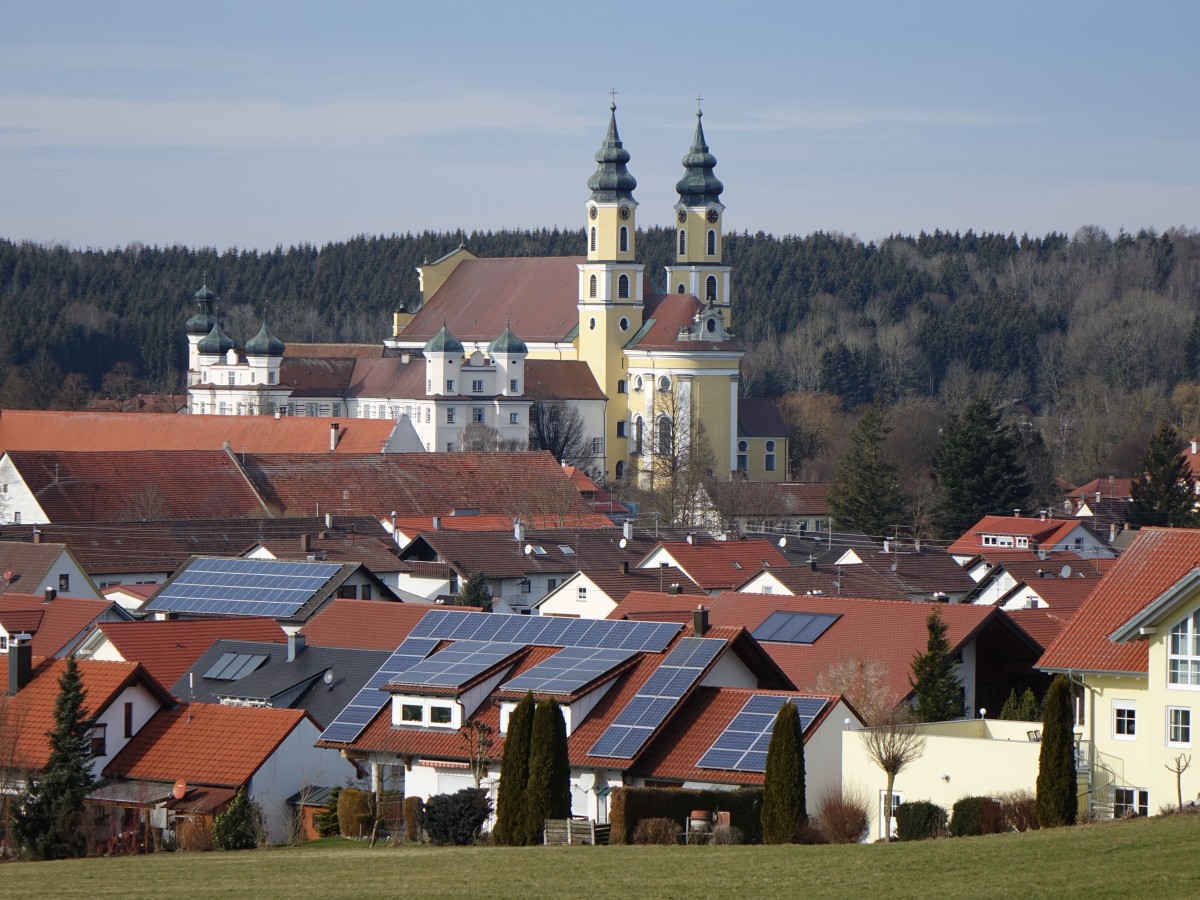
[1143, 857]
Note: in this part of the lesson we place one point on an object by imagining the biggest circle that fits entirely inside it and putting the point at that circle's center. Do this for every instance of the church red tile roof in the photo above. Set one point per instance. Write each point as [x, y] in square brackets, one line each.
[664, 316]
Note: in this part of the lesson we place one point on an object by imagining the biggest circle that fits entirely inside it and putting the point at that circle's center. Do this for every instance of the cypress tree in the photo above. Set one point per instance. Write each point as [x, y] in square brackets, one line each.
[1165, 492]
[1057, 790]
[784, 807]
[514, 775]
[49, 818]
[938, 694]
[548, 795]
[865, 494]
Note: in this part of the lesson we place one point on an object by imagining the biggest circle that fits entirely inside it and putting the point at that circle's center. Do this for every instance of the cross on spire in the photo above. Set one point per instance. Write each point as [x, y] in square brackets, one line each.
[699, 100]
[612, 96]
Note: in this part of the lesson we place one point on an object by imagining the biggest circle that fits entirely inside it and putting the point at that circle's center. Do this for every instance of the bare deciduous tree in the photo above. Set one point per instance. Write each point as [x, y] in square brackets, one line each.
[893, 746]
[477, 736]
[1181, 764]
[558, 427]
[864, 683]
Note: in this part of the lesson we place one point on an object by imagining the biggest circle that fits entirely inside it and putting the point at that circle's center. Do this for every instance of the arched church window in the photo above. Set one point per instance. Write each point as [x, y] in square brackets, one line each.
[712, 242]
[682, 242]
[592, 244]
[623, 287]
[620, 470]
[681, 289]
[624, 245]
[710, 288]
[664, 435]
[592, 283]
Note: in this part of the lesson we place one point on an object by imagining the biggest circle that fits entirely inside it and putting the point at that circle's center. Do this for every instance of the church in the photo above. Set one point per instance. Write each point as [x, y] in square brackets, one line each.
[654, 377]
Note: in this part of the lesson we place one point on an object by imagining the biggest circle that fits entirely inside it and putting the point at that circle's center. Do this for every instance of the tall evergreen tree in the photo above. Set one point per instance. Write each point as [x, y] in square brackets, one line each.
[548, 794]
[49, 816]
[1165, 492]
[937, 690]
[514, 775]
[475, 592]
[784, 807]
[978, 468]
[1057, 791]
[865, 494]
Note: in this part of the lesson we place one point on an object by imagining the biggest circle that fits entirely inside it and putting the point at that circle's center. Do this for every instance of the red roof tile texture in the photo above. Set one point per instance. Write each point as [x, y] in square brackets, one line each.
[666, 314]
[363, 624]
[205, 743]
[1041, 532]
[1155, 560]
[723, 564]
[62, 622]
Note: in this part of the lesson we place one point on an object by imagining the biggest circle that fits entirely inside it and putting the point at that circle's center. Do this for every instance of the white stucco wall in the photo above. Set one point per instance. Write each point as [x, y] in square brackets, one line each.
[145, 705]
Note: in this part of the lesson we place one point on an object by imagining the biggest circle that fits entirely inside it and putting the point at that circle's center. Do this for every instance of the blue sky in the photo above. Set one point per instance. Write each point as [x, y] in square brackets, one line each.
[256, 124]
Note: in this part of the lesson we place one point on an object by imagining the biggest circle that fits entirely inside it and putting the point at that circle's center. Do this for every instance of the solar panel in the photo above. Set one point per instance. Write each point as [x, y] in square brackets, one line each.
[232, 666]
[370, 699]
[794, 627]
[547, 631]
[569, 670]
[244, 587]
[457, 664]
[742, 746]
[676, 675]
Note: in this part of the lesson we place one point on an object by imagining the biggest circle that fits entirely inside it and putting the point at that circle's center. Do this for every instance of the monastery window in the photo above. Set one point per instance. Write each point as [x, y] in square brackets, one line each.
[592, 284]
[597, 446]
[664, 435]
[638, 429]
[743, 457]
[592, 247]
[637, 384]
[222, 408]
[514, 418]
[449, 385]
[232, 377]
[1124, 720]
[680, 289]
[428, 415]
[769, 459]
[621, 428]
[477, 386]
[621, 386]
[623, 324]
[513, 387]
[1179, 726]
[710, 288]
[450, 448]
[477, 414]
[664, 384]
[428, 385]
[1183, 652]
[624, 239]
[712, 242]
[450, 416]
[682, 242]
[272, 377]
[623, 287]
[620, 470]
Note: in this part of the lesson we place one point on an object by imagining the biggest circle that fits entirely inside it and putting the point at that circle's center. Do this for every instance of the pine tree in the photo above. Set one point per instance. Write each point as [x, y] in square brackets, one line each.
[1029, 710]
[1008, 712]
[514, 775]
[1057, 801]
[50, 814]
[979, 470]
[784, 807]
[234, 829]
[475, 592]
[1165, 492]
[548, 795]
[865, 494]
[937, 690]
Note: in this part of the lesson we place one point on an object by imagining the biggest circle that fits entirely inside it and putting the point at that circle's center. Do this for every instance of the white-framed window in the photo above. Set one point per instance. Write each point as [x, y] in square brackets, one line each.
[514, 418]
[477, 385]
[897, 799]
[664, 435]
[1124, 720]
[428, 415]
[1130, 802]
[1183, 652]
[450, 416]
[477, 414]
[412, 712]
[1179, 726]
[337, 409]
[712, 242]
[592, 279]
[272, 377]
[512, 385]
[428, 385]
[581, 593]
[1023, 542]
[232, 376]
[637, 383]
[597, 446]
[624, 239]
[623, 287]
[449, 385]
[441, 715]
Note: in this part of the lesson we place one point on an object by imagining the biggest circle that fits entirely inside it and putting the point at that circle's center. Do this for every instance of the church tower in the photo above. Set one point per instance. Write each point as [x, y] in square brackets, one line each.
[610, 282]
[698, 267]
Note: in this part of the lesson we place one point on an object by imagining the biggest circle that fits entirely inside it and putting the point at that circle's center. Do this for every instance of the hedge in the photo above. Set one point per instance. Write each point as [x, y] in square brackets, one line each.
[354, 813]
[919, 820]
[976, 815]
[628, 806]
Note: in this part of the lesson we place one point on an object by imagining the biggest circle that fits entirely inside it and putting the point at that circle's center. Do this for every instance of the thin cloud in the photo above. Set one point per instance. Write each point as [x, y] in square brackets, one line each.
[859, 118]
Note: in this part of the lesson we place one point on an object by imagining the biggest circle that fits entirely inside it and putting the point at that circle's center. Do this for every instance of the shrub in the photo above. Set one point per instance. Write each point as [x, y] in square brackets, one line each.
[1020, 812]
[326, 821]
[414, 818]
[807, 833]
[843, 816]
[354, 813]
[727, 834]
[235, 828]
[920, 820]
[657, 831]
[514, 777]
[629, 806]
[457, 818]
[975, 816]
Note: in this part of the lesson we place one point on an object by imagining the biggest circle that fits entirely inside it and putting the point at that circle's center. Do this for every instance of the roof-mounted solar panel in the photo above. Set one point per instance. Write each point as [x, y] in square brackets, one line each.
[742, 746]
[569, 670]
[794, 627]
[244, 587]
[547, 631]
[457, 664]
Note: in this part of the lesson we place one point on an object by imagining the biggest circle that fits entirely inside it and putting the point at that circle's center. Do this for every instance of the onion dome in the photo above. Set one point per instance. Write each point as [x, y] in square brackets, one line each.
[612, 181]
[444, 342]
[507, 343]
[217, 342]
[699, 186]
[204, 320]
[264, 344]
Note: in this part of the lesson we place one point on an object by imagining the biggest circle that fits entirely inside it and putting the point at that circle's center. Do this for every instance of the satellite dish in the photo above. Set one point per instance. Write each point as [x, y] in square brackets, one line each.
[528, 549]
[622, 543]
[1066, 572]
[782, 543]
[328, 677]
[587, 781]
[180, 789]
[8, 574]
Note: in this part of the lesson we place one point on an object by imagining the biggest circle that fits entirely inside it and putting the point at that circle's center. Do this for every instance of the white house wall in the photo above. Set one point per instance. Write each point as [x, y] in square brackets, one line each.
[730, 672]
[565, 601]
[17, 503]
[145, 705]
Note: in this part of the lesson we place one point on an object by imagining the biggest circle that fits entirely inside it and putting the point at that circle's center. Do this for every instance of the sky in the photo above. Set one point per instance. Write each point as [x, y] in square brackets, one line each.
[261, 124]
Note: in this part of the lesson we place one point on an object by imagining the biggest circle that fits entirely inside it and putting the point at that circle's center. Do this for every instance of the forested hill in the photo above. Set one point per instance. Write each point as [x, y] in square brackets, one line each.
[1060, 323]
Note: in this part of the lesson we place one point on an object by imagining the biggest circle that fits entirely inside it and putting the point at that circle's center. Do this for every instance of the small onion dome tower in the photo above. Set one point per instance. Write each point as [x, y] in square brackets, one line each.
[264, 344]
[612, 181]
[217, 343]
[264, 352]
[443, 353]
[508, 351]
[699, 186]
[200, 325]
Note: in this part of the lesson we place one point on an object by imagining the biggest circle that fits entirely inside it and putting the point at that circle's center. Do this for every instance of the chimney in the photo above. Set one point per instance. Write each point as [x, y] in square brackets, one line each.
[437, 523]
[328, 520]
[278, 413]
[1098, 493]
[627, 530]
[518, 530]
[1016, 514]
[334, 436]
[20, 662]
[673, 589]
[699, 621]
[51, 593]
[295, 645]
[305, 543]
[624, 570]
[1042, 515]
[691, 538]
[917, 544]
[37, 535]
[1112, 532]
[1195, 449]
[812, 563]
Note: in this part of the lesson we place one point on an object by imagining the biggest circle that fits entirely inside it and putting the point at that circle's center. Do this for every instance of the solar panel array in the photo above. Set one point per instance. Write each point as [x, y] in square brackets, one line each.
[244, 587]
[457, 664]
[359, 712]
[568, 670]
[681, 669]
[794, 627]
[742, 746]
[232, 666]
[547, 631]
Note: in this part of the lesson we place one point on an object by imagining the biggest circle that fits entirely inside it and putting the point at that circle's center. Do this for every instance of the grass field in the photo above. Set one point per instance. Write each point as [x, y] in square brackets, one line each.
[1147, 857]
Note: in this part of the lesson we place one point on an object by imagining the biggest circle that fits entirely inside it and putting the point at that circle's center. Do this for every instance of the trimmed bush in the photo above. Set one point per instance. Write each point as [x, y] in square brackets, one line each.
[548, 791]
[657, 831]
[235, 828]
[354, 813]
[1020, 811]
[457, 818]
[976, 815]
[514, 777]
[784, 813]
[920, 820]
[843, 817]
[629, 806]
[414, 818]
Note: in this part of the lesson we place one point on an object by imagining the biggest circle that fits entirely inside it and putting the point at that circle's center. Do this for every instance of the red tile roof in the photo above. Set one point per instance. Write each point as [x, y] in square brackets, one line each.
[552, 379]
[1043, 625]
[364, 624]
[63, 621]
[716, 564]
[169, 648]
[29, 565]
[837, 581]
[1155, 560]
[1107, 488]
[376, 553]
[415, 525]
[205, 743]
[25, 429]
[664, 316]
[1047, 533]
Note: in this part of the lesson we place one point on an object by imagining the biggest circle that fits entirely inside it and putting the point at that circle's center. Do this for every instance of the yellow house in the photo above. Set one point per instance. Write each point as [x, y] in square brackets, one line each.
[1133, 653]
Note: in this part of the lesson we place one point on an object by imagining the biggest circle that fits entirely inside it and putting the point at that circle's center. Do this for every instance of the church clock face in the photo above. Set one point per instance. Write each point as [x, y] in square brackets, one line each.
[623, 212]
[682, 217]
[593, 212]
[712, 216]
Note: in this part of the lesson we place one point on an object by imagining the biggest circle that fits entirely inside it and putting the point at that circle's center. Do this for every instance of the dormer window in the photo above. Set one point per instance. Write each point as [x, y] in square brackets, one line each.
[413, 713]
[434, 712]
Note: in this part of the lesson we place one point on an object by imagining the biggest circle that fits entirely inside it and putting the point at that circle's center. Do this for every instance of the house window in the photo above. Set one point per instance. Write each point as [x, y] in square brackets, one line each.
[897, 799]
[623, 287]
[232, 376]
[477, 414]
[769, 459]
[64, 582]
[624, 239]
[1130, 802]
[526, 586]
[477, 386]
[621, 386]
[621, 428]
[364, 593]
[1179, 726]
[682, 242]
[597, 446]
[449, 385]
[1183, 652]
[98, 744]
[592, 280]
[412, 712]
[581, 593]
[1124, 720]
[428, 415]
[551, 584]
[450, 416]
[592, 246]
[440, 715]
[428, 385]
[272, 377]
[710, 288]
[712, 242]
[514, 418]
[512, 386]
[450, 446]
[128, 720]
